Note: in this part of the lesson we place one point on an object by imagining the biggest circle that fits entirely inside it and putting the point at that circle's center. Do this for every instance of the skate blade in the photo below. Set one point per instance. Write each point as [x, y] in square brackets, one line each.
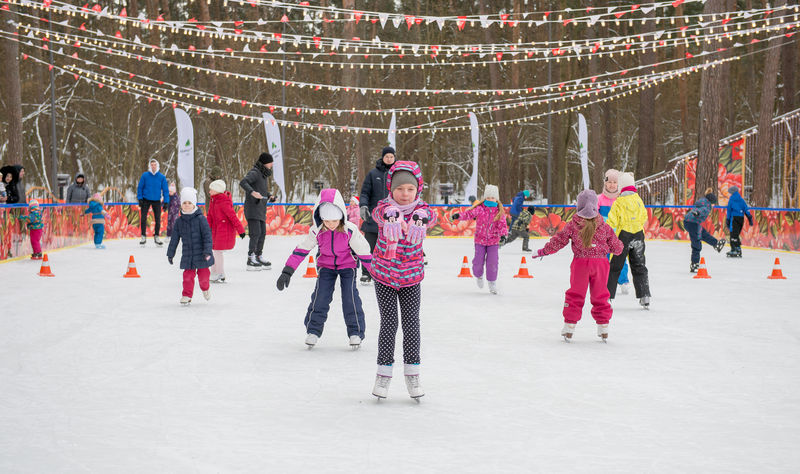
[355, 347]
[251, 269]
[417, 399]
[310, 346]
[378, 397]
[567, 339]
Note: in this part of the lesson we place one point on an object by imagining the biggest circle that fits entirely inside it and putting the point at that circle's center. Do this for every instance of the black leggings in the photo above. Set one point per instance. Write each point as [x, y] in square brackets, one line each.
[146, 205]
[409, 299]
[257, 230]
[372, 239]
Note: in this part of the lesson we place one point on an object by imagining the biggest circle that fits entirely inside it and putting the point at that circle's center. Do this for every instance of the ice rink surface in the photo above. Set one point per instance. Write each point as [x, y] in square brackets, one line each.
[104, 374]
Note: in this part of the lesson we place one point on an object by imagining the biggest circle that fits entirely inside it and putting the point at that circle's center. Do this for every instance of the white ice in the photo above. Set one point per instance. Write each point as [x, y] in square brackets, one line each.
[104, 374]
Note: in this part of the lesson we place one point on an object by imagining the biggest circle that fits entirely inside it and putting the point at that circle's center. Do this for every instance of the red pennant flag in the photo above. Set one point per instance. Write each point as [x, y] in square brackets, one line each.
[149, 99]
[499, 56]
[461, 22]
[82, 27]
[504, 18]
[244, 102]
[635, 7]
[357, 16]
[192, 48]
[75, 55]
[317, 41]
[118, 34]
[216, 97]
[284, 19]
[45, 3]
[5, 7]
[568, 21]
[238, 23]
[24, 56]
[76, 76]
[50, 67]
[409, 21]
[122, 14]
[131, 75]
[263, 48]
[97, 8]
[271, 108]
[100, 86]
[619, 14]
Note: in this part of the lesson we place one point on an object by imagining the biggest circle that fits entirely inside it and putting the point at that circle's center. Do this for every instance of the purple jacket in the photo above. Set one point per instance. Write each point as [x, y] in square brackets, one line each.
[407, 268]
[488, 229]
[337, 249]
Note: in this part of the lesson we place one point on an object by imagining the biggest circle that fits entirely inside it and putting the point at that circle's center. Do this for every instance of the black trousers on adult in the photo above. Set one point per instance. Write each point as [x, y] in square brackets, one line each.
[258, 231]
[737, 222]
[372, 239]
[409, 299]
[633, 250]
[144, 207]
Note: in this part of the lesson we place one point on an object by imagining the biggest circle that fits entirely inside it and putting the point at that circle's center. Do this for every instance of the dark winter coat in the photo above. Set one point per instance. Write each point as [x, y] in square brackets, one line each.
[373, 191]
[256, 180]
[194, 231]
[225, 226]
[702, 208]
[14, 189]
[78, 193]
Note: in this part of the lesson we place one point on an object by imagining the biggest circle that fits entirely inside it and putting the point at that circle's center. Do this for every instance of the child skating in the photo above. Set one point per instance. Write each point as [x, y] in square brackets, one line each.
[341, 247]
[628, 217]
[520, 229]
[490, 227]
[693, 223]
[192, 228]
[403, 219]
[592, 240]
[35, 228]
[225, 226]
[737, 210]
[173, 209]
[605, 200]
[98, 219]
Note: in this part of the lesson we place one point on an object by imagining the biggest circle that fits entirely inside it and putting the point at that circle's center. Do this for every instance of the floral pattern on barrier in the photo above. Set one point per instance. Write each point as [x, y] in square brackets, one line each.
[67, 225]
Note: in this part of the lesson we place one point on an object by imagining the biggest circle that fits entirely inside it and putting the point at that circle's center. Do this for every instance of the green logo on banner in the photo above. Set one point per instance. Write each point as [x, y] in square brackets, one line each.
[188, 142]
[274, 145]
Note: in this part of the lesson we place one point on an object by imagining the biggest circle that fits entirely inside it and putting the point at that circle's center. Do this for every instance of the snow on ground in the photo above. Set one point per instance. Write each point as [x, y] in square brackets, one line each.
[105, 374]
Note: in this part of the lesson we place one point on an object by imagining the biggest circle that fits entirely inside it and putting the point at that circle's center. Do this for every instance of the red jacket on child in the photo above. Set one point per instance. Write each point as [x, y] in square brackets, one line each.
[225, 226]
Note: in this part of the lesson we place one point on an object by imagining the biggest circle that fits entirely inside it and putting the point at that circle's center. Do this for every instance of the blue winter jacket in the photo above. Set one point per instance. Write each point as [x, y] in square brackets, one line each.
[702, 208]
[152, 187]
[737, 206]
[194, 231]
[517, 204]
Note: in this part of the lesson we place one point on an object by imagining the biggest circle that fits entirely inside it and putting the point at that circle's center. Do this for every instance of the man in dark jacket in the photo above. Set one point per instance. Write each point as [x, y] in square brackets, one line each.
[373, 191]
[255, 210]
[78, 192]
[151, 190]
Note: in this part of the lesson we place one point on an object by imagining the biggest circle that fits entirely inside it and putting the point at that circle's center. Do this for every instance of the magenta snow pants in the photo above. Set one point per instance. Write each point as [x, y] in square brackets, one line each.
[485, 254]
[591, 273]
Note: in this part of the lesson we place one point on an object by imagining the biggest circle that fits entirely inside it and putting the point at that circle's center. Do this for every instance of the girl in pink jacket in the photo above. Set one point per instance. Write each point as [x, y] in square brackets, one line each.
[491, 225]
[592, 239]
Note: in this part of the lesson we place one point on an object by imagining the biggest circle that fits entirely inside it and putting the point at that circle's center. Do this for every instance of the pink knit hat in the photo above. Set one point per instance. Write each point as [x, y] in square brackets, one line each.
[586, 206]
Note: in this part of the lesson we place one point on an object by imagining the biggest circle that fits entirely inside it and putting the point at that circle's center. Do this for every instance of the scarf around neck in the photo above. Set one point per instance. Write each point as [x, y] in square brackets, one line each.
[405, 209]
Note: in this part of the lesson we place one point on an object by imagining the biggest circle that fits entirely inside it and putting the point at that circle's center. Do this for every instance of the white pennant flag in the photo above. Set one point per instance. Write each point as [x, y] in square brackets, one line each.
[396, 20]
[484, 21]
[383, 17]
[393, 132]
[583, 145]
[274, 148]
[440, 22]
[185, 149]
[471, 189]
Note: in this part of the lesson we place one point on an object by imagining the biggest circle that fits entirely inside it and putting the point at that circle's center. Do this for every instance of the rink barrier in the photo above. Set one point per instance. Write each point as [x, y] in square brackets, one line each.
[66, 225]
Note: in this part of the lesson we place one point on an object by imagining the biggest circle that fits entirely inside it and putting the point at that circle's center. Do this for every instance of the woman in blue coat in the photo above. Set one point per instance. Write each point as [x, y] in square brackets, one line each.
[196, 256]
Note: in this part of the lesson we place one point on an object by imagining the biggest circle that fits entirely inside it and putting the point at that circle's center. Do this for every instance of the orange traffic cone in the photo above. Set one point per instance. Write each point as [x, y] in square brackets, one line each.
[702, 272]
[523, 270]
[131, 269]
[465, 273]
[777, 274]
[45, 270]
[311, 269]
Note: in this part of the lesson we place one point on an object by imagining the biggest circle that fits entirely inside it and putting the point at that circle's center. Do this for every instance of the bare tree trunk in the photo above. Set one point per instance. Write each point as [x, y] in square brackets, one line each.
[505, 173]
[647, 109]
[710, 117]
[11, 89]
[789, 67]
[595, 114]
[761, 167]
[683, 85]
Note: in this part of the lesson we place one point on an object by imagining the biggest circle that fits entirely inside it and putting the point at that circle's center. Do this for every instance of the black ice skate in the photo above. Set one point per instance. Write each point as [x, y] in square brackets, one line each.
[366, 279]
[265, 264]
[693, 267]
[734, 253]
[645, 302]
[720, 245]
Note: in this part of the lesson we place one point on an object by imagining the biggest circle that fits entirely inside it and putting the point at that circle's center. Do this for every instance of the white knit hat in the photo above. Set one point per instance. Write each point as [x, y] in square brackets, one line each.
[491, 191]
[189, 194]
[330, 212]
[625, 180]
[217, 186]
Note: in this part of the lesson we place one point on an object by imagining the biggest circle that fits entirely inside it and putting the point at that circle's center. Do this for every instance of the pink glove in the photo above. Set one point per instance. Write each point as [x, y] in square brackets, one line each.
[418, 228]
[539, 254]
[392, 224]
